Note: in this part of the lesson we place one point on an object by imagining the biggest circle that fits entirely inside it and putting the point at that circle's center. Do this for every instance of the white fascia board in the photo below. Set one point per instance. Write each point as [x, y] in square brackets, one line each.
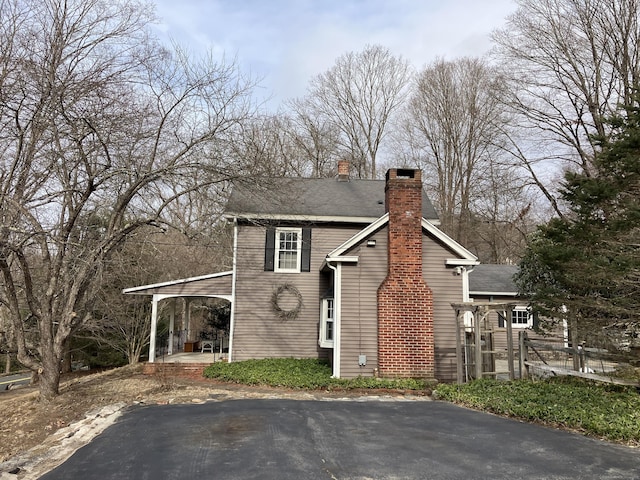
[448, 241]
[467, 258]
[360, 236]
[176, 282]
[457, 262]
[347, 259]
[299, 218]
[494, 294]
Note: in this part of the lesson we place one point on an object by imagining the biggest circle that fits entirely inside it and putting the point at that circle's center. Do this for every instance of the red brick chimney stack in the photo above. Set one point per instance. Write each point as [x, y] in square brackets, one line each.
[343, 170]
[405, 302]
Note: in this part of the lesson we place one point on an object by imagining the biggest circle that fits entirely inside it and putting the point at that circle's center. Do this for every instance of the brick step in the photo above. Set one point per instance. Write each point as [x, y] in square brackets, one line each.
[182, 370]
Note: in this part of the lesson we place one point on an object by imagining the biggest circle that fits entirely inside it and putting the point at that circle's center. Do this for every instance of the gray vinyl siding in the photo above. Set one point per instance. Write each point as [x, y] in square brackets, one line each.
[359, 322]
[447, 289]
[203, 287]
[359, 305]
[258, 332]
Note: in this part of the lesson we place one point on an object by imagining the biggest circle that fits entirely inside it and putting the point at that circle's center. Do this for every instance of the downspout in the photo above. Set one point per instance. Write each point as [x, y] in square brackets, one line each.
[232, 322]
[337, 300]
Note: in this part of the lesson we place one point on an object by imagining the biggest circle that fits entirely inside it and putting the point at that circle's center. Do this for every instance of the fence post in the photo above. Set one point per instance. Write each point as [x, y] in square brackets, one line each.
[478, 341]
[508, 315]
[522, 354]
[459, 360]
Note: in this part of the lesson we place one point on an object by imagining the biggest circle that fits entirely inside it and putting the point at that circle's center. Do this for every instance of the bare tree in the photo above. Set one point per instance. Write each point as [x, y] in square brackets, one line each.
[100, 127]
[503, 215]
[266, 146]
[571, 65]
[300, 144]
[452, 129]
[6, 338]
[358, 95]
[317, 138]
[123, 323]
[147, 257]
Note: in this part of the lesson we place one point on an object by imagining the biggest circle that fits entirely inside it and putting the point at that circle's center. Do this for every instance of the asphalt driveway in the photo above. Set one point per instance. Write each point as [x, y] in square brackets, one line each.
[289, 439]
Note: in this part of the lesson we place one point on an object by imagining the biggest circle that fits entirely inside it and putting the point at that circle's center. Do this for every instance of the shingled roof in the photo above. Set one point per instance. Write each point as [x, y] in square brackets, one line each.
[493, 279]
[314, 199]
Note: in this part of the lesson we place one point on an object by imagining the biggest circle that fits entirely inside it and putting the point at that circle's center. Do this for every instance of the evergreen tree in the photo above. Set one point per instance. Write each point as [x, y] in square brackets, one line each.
[585, 267]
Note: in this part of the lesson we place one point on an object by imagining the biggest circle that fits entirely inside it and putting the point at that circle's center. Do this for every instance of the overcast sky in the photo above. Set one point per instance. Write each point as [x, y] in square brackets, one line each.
[287, 42]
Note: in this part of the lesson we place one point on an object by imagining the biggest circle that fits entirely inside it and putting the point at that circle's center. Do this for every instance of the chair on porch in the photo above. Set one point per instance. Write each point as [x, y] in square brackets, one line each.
[207, 345]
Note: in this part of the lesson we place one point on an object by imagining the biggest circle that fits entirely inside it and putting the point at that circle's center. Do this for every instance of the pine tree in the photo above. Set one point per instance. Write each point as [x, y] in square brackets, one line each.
[586, 265]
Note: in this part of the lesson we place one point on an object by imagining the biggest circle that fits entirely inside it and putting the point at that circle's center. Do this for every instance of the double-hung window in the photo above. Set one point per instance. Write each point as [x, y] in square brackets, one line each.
[288, 247]
[326, 323]
[287, 250]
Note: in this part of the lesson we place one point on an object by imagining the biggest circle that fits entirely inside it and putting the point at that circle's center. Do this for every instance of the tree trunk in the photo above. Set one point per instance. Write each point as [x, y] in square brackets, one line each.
[49, 381]
[7, 365]
[65, 366]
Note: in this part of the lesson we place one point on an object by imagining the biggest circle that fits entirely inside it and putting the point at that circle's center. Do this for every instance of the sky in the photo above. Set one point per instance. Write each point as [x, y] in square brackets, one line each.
[285, 43]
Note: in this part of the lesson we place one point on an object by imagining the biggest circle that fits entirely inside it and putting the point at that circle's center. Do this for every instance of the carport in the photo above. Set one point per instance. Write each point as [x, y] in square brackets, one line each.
[216, 285]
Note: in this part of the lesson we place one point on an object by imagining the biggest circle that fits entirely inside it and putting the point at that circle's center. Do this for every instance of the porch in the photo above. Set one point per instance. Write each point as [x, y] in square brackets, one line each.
[192, 357]
[183, 364]
[186, 339]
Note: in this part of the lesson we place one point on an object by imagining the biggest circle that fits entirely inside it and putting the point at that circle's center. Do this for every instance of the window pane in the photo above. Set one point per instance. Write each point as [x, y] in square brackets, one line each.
[330, 309]
[519, 317]
[288, 241]
[288, 250]
[288, 260]
[329, 335]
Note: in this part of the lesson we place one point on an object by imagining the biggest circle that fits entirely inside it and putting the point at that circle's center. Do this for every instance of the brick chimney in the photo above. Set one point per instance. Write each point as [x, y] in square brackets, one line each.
[405, 301]
[343, 170]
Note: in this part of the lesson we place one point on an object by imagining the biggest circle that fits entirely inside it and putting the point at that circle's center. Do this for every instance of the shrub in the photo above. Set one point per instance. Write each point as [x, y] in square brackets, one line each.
[305, 373]
[604, 410]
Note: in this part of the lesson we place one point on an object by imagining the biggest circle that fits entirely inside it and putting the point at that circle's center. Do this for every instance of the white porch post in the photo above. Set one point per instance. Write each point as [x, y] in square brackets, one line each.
[172, 320]
[154, 326]
[187, 317]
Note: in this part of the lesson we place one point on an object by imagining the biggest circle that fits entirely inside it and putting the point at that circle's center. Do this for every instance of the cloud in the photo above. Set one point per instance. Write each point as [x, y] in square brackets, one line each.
[287, 42]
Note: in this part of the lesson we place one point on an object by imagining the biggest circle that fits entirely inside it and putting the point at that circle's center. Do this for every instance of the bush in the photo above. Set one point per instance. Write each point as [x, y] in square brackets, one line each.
[605, 410]
[305, 373]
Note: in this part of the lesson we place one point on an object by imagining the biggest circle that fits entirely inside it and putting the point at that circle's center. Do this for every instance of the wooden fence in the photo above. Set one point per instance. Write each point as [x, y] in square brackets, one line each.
[548, 358]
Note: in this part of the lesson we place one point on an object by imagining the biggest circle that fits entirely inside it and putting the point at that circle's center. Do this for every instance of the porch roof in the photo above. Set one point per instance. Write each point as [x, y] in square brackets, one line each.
[493, 280]
[212, 285]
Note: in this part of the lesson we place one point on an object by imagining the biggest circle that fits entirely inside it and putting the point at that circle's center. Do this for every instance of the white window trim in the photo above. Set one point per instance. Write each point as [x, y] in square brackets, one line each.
[276, 262]
[529, 323]
[323, 342]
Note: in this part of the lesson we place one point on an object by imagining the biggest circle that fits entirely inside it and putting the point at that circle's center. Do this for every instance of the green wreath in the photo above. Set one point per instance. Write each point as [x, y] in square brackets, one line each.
[292, 313]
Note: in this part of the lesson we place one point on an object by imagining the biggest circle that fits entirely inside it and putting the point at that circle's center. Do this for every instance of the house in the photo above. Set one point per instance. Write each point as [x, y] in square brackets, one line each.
[354, 271]
[496, 284]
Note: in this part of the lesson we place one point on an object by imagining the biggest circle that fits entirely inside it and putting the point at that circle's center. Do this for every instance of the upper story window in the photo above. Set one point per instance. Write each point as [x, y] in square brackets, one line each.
[288, 250]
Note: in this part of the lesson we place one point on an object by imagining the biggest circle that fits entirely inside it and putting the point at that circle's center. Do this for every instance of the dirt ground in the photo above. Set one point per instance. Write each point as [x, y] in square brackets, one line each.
[35, 437]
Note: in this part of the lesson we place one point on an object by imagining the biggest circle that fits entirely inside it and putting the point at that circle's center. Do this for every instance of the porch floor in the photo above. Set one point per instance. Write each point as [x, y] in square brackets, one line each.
[190, 357]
